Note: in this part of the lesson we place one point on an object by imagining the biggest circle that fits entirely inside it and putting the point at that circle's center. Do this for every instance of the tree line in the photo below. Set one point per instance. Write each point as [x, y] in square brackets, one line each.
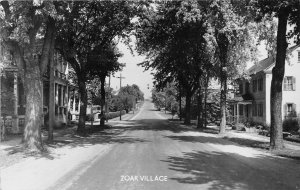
[188, 43]
[85, 33]
[185, 42]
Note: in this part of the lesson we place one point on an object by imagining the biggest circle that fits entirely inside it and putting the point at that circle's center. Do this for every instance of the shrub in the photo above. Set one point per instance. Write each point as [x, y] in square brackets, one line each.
[109, 115]
[112, 115]
[290, 125]
[90, 117]
[264, 129]
[252, 123]
[239, 127]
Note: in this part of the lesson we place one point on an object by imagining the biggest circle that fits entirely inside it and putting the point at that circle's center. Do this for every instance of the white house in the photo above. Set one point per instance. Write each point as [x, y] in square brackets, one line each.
[252, 103]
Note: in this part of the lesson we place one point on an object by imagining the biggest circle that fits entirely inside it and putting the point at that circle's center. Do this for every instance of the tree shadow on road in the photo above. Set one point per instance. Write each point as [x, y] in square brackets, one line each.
[222, 170]
[96, 136]
[240, 142]
[157, 125]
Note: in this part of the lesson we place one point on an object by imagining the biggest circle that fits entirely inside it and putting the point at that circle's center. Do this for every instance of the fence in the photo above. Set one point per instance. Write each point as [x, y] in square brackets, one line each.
[234, 119]
[7, 122]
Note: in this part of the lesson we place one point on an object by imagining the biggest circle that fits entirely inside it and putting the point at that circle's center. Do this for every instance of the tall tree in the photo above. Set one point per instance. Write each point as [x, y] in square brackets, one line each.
[28, 30]
[286, 12]
[90, 25]
[174, 45]
[103, 61]
[233, 42]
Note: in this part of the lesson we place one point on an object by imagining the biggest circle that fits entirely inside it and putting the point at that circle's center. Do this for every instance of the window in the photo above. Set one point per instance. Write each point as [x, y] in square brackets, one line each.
[241, 88]
[254, 85]
[260, 110]
[298, 56]
[260, 84]
[290, 110]
[59, 95]
[241, 109]
[247, 87]
[254, 109]
[289, 83]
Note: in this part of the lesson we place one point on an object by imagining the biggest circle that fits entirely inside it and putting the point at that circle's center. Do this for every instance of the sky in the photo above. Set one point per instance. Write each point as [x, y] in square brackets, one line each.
[133, 73]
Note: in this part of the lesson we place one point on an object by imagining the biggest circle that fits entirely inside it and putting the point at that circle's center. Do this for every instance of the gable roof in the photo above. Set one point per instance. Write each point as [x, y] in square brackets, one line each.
[260, 66]
[268, 62]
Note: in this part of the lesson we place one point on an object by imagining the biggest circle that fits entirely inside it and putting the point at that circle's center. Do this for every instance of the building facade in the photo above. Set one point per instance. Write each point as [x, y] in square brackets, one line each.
[13, 98]
[252, 102]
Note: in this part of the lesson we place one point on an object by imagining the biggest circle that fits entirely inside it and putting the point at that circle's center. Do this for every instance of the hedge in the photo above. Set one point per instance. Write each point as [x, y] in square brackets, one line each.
[110, 115]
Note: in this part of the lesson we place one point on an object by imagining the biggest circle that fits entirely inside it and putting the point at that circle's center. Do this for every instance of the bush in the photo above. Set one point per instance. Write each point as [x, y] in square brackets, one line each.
[264, 129]
[109, 115]
[112, 115]
[290, 125]
[239, 127]
[89, 117]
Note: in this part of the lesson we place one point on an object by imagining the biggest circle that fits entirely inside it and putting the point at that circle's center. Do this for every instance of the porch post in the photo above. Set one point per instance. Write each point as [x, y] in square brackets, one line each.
[234, 113]
[63, 102]
[74, 101]
[237, 113]
[62, 95]
[15, 118]
[79, 103]
[68, 102]
[56, 98]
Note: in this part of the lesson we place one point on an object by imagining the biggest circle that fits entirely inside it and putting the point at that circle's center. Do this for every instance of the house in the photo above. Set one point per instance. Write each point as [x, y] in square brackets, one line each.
[252, 102]
[13, 101]
[67, 98]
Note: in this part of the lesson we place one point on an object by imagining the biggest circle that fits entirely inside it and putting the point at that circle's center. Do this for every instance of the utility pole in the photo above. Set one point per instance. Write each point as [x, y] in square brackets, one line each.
[120, 77]
[108, 98]
[109, 81]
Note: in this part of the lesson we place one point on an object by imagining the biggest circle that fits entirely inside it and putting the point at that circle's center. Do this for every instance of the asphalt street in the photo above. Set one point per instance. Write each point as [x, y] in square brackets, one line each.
[150, 152]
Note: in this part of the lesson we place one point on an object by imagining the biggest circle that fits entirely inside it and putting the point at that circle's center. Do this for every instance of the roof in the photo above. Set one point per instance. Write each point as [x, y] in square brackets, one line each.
[260, 66]
[242, 98]
[268, 62]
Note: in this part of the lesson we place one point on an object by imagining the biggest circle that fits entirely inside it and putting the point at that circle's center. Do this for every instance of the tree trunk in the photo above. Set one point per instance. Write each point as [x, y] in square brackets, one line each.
[51, 98]
[276, 139]
[1, 125]
[187, 118]
[223, 103]
[180, 110]
[200, 109]
[34, 108]
[83, 106]
[102, 120]
[205, 101]
[223, 49]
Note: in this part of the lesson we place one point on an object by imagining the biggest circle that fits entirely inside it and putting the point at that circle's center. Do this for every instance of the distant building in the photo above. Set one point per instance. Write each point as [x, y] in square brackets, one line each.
[252, 103]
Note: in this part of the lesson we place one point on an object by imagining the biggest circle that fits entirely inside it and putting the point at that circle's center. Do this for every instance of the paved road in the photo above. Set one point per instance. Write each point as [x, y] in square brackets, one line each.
[149, 152]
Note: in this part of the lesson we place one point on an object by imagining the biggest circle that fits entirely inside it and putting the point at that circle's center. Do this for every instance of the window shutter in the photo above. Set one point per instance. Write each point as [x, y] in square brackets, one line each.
[285, 110]
[284, 83]
[294, 83]
[294, 109]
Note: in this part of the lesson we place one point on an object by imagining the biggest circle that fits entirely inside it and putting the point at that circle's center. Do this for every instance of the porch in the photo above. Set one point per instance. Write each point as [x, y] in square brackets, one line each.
[239, 110]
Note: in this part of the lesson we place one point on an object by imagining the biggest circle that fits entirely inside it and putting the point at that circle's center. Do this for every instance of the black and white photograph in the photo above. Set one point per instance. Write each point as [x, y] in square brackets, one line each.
[149, 95]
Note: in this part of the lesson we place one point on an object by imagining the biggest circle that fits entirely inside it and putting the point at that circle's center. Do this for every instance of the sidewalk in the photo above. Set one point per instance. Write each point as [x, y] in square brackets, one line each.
[292, 149]
[68, 155]
[256, 137]
[9, 157]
